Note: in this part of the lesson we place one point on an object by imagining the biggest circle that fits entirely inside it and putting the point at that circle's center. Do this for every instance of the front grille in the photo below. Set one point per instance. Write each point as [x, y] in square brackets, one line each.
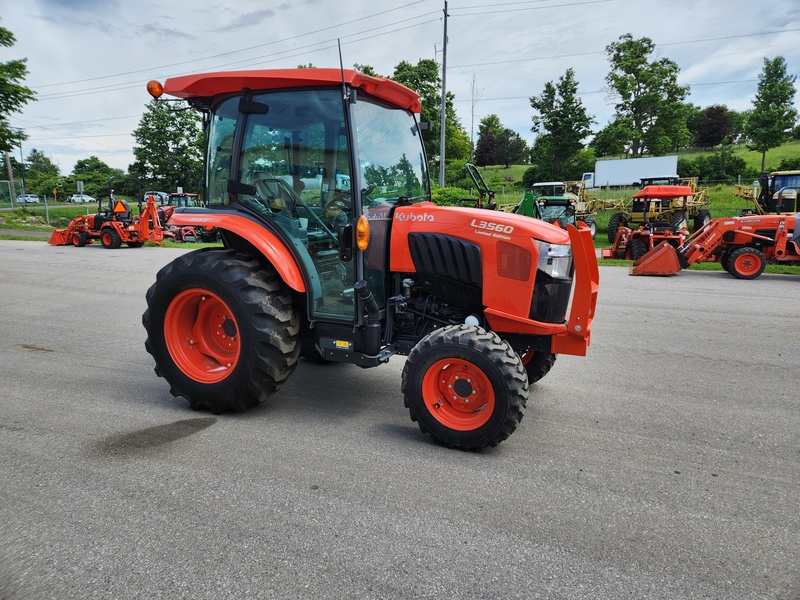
[550, 298]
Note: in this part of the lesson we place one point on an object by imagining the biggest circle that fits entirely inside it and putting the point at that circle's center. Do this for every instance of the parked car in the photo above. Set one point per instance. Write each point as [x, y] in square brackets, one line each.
[27, 199]
[81, 198]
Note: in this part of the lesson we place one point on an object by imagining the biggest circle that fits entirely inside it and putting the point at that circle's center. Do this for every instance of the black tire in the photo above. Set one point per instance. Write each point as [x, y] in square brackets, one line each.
[134, 244]
[474, 365]
[592, 225]
[638, 248]
[248, 302]
[701, 219]
[110, 238]
[537, 364]
[746, 263]
[79, 239]
[724, 259]
[614, 223]
[678, 220]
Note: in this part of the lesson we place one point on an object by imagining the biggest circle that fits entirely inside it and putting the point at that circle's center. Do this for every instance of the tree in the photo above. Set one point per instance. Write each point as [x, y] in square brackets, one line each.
[13, 95]
[168, 151]
[562, 120]
[424, 79]
[510, 148]
[648, 96]
[714, 128]
[366, 70]
[773, 114]
[489, 130]
[613, 139]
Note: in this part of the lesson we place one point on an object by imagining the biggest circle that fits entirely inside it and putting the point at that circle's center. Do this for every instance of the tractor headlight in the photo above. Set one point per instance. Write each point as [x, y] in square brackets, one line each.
[555, 259]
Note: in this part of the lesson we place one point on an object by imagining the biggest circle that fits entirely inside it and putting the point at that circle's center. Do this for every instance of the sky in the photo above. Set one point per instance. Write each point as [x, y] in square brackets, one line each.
[89, 60]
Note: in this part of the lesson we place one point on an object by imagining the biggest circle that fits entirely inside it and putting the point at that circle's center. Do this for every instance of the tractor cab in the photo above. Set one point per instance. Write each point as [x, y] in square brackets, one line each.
[316, 164]
[549, 202]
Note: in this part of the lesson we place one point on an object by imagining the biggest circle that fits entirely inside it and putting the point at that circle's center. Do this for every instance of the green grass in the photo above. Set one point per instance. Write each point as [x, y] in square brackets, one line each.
[753, 158]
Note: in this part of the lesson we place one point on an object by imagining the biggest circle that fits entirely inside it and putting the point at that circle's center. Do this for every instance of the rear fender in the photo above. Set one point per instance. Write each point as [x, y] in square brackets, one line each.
[266, 242]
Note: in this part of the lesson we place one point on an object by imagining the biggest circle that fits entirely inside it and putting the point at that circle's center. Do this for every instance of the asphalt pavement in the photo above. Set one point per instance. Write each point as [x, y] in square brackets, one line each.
[665, 464]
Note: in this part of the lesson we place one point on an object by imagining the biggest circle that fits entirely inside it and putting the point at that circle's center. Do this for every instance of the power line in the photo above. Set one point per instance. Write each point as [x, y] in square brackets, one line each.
[150, 70]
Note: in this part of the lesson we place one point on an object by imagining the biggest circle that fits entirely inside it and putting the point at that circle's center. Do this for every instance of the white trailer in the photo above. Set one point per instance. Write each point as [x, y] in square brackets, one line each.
[630, 171]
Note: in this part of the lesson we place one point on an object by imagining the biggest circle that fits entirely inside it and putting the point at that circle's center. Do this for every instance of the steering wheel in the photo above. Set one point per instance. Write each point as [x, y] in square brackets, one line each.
[344, 200]
[298, 201]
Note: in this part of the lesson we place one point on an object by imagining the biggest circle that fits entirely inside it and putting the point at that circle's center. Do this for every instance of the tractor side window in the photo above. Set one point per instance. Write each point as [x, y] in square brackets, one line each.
[220, 146]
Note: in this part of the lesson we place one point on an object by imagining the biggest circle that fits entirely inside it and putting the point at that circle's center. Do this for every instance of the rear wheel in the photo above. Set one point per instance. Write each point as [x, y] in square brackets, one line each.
[614, 223]
[465, 386]
[222, 329]
[110, 239]
[638, 248]
[702, 218]
[746, 263]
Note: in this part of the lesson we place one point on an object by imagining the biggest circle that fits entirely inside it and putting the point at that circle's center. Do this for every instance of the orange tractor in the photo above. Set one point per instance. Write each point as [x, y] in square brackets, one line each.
[742, 245]
[652, 204]
[317, 182]
[116, 225]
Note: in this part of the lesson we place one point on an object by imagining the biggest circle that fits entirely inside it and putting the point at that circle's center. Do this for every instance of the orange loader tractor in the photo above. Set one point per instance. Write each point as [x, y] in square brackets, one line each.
[116, 225]
[742, 245]
[317, 182]
[652, 204]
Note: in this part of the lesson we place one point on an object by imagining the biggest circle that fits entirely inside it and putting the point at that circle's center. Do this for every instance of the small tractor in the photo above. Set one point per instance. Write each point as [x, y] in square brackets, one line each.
[549, 202]
[684, 204]
[116, 225]
[317, 182]
[633, 244]
[742, 245]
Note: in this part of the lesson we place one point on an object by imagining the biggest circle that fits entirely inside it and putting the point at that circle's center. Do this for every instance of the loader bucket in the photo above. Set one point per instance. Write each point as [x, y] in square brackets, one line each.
[661, 260]
[58, 237]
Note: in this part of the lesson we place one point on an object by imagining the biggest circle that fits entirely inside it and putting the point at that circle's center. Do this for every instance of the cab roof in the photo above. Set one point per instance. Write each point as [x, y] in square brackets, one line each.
[664, 191]
[210, 84]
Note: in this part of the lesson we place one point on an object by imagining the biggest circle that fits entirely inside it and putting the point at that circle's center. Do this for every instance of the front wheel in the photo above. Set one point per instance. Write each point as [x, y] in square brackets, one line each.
[638, 249]
[222, 329]
[110, 238]
[615, 222]
[465, 386]
[746, 263]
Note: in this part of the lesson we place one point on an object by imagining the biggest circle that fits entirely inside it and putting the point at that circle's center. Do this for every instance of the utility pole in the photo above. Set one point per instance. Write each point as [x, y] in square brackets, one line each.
[444, 99]
[11, 181]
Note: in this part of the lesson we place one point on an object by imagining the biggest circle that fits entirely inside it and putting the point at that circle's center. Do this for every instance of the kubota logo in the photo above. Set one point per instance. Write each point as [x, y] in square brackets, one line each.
[490, 226]
[415, 217]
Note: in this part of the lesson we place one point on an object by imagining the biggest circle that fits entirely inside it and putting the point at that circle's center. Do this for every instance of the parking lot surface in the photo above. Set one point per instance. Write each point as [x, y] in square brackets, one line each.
[665, 464]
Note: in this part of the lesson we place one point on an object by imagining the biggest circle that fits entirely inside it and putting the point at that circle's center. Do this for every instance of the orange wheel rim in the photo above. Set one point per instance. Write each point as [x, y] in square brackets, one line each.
[458, 394]
[202, 335]
[526, 356]
[747, 264]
